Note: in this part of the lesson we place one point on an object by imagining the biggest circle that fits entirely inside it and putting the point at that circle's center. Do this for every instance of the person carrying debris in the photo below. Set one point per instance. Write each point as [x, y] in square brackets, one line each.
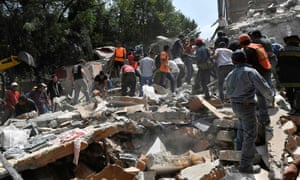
[25, 105]
[223, 58]
[242, 83]
[288, 71]
[258, 58]
[80, 81]
[164, 68]
[222, 23]
[202, 58]
[11, 99]
[101, 83]
[128, 80]
[147, 66]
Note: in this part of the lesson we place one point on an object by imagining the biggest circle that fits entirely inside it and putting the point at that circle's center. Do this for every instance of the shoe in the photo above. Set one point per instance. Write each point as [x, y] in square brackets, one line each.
[250, 170]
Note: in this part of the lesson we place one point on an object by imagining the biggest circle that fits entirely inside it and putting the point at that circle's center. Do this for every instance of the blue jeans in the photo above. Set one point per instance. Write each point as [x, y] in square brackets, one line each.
[202, 78]
[246, 132]
[222, 73]
[189, 69]
[144, 80]
[168, 75]
[263, 114]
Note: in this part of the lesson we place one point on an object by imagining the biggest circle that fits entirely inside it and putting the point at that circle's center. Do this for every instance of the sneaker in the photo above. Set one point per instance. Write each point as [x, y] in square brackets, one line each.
[250, 170]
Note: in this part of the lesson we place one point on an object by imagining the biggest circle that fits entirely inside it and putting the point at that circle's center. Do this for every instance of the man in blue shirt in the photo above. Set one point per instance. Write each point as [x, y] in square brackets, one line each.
[242, 83]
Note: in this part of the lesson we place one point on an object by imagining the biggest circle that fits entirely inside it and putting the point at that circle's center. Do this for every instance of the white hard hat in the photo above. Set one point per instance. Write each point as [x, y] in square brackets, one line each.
[14, 84]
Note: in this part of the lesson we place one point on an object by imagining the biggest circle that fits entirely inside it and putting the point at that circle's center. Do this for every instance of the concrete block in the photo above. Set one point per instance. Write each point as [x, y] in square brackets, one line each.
[147, 175]
[225, 123]
[230, 155]
[201, 146]
[227, 136]
[289, 128]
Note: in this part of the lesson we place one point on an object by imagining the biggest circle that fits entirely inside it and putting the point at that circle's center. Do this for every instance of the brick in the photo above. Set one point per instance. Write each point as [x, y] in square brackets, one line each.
[289, 128]
[227, 136]
[230, 155]
[226, 123]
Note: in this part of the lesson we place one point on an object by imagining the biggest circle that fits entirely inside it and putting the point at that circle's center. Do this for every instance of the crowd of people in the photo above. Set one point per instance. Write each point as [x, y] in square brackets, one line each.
[243, 67]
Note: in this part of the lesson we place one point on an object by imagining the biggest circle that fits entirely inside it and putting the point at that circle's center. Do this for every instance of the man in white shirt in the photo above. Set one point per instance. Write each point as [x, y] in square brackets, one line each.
[223, 58]
[222, 23]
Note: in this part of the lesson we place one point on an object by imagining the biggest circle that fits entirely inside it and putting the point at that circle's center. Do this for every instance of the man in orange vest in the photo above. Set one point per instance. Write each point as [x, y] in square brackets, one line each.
[119, 58]
[263, 66]
[164, 68]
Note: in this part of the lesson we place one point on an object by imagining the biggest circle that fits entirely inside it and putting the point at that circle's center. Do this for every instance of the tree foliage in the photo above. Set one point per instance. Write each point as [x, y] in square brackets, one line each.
[58, 32]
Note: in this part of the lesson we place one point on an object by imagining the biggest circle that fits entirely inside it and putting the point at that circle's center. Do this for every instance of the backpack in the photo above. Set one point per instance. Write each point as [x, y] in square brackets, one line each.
[262, 55]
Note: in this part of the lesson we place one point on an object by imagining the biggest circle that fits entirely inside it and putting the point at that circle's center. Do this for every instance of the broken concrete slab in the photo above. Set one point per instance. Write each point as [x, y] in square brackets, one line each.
[226, 123]
[230, 155]
[173, 117]
[226, 136]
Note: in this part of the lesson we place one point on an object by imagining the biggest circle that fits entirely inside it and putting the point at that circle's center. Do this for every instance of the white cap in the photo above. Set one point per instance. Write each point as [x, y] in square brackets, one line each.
[14, 84]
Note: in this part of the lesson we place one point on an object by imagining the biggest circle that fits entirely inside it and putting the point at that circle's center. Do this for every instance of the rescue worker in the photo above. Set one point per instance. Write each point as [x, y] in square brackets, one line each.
[164, 68]
[147, 66]
[54, 88]
[101, 82]
[288, 71]
[223, 58]
[203, 75]
[222, 23]
[118, 58]
[263, 66]
[242, 83]
[80, 81]
[39, 96]
[128, 80]
[11, 99]
[25, 105]
[188, 61]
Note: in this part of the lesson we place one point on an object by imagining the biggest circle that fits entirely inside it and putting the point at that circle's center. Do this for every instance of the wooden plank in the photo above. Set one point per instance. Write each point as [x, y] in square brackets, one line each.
[212, 108]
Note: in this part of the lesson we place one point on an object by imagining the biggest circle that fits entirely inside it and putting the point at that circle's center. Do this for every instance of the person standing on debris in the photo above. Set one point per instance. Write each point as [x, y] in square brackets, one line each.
[257, 57]
[221, 37]
[242, 83]
[258, 38]
[188, 61]
[25, 105]
[80, 81]
[147, 66]
[174, 69]
[203, 75]
[288, 71]
[164, 68]
[128, 80]
[54, 88]
[223, 58]
[39, 96]
[118, 58]
[222, 23]
[11, 99]
[177, 48]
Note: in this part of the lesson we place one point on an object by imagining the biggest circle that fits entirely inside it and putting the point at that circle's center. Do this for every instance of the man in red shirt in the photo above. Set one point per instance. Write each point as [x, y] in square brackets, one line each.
[11, 99]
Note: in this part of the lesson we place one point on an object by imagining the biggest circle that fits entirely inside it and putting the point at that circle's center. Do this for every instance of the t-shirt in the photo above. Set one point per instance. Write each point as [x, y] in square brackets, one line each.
[11, 99]
[164, 65]
[224, 56]
[173, 67]
[77, 72]
[147, 66]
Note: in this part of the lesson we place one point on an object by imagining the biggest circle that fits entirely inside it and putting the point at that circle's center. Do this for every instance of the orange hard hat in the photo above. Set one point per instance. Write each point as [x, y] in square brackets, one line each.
[244, 37]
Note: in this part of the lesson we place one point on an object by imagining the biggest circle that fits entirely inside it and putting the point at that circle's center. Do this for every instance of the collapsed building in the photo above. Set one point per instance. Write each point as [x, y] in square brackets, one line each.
[156, 136]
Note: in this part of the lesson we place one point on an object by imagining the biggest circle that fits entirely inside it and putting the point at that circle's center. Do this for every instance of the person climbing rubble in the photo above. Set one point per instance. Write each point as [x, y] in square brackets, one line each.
[288, 71]
[242, 83]
[222, 23]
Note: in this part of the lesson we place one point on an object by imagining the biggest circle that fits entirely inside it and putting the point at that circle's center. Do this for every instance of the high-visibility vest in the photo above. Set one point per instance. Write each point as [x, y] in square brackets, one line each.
[120, 54]
[262, 55]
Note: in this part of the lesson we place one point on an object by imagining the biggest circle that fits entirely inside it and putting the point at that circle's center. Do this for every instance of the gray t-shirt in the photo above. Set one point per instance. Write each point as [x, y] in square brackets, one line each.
[147, 66]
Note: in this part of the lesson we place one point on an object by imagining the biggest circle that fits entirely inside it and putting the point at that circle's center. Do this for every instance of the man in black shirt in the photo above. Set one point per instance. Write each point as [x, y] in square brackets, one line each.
[54, 88]
[25, 105]
[101, 82]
